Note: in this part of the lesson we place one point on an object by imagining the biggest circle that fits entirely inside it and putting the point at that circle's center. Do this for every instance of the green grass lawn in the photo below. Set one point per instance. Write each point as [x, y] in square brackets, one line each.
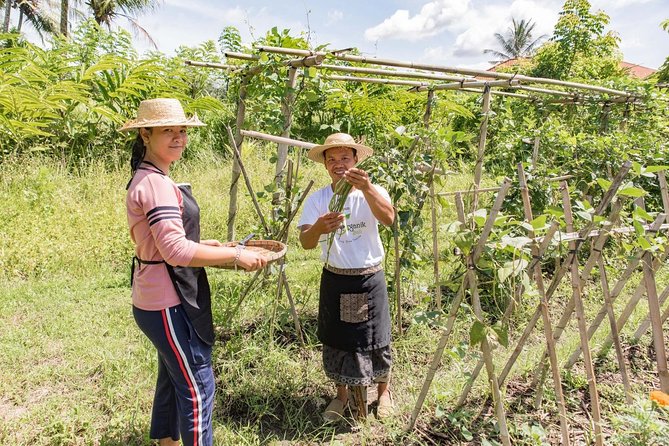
[75, 369]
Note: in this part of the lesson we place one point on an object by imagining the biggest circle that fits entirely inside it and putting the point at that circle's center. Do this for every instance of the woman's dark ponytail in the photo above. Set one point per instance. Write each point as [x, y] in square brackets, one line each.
[138, 152]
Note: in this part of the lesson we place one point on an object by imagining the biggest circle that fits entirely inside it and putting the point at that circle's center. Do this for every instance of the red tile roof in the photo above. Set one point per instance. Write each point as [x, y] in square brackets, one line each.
[637, 71]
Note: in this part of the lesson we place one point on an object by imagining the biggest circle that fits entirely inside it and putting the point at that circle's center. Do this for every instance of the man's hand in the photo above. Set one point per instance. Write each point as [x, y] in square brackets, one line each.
[358, 178]
[329, 222]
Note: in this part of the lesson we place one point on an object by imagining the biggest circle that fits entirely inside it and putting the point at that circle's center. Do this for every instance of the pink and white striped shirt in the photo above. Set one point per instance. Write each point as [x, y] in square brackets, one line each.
[154, 204]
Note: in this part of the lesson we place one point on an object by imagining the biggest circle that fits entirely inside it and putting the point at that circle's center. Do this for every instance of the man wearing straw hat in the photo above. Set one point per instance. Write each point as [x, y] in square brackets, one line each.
[353, 316]
[170, 292]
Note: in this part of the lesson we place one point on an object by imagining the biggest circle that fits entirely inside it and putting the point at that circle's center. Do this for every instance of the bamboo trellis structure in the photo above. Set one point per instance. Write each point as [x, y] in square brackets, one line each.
[650, 262]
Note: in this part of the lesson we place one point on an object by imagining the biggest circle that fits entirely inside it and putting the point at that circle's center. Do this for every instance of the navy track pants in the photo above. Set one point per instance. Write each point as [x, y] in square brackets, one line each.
[184, 398]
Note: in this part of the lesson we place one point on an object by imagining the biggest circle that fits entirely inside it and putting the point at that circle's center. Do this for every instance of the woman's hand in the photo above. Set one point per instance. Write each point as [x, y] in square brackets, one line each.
[250, 260]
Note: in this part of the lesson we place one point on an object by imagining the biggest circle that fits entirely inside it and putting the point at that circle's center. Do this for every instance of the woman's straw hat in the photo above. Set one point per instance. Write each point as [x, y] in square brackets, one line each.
[339, 140]
[161, 112]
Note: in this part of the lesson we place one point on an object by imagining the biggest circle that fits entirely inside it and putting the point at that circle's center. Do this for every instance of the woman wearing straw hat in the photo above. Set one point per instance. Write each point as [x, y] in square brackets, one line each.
[353, 316]
[170, 292]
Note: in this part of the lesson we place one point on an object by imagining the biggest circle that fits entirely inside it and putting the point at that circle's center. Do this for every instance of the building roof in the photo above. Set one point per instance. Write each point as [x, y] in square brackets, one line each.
[635, 70]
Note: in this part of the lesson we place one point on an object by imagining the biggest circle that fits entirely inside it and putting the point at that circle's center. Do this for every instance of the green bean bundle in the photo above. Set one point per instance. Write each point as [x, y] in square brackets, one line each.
[341, 191]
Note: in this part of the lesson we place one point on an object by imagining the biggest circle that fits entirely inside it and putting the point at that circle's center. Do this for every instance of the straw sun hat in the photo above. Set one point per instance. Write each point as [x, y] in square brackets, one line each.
[161, 112]
[339, 140]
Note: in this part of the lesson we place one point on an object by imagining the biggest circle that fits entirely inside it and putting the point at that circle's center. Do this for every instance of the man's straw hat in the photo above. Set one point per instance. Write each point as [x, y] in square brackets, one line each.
[339, 140]
[161, 112]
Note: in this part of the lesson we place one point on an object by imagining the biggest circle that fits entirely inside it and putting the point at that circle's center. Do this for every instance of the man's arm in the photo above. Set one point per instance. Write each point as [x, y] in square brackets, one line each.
[326, 223]
[381, 208]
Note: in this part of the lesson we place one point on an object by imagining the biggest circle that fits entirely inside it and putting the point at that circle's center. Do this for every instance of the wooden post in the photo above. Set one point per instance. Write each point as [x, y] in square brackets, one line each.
[582, 327]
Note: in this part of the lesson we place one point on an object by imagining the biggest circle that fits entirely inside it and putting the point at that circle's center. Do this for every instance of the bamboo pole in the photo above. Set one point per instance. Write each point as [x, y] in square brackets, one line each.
[620, 284]
[633, 302]
[664, 192]
[546, 240]
[645, 324]
[391, 73]
[535, 151]
[444, 69]
[562, 270]
[614, 331]
[237, 142]
[582, 327]
[398, 276]
[278, 139]
[483, 131]
[455, 306]
[545, 314]
[282, 147]
[655, 321]
[460, 85]
[374, 80]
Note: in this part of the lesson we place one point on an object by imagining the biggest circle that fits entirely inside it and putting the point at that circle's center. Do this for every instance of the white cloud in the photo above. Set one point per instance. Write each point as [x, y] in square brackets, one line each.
[617, 4]
[433, 18]
[334, 16]
[483, 23]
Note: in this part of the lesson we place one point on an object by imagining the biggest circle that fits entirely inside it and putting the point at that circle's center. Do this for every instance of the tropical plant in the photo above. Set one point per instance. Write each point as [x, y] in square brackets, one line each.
[517, 42]
[38, 13]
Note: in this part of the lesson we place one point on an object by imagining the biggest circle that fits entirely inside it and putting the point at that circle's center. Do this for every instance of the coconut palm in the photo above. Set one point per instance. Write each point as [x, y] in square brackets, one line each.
[37, 13]
[516, 42]
[108, 11]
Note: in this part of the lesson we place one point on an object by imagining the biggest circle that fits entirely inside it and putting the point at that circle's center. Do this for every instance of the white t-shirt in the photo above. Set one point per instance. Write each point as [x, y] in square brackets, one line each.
[356, 244]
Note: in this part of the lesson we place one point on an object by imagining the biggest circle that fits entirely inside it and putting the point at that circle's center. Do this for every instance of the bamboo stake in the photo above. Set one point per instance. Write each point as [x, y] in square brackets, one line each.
[582, 327]
[655, 321]
[282, 148]
[614, 332]
[455, 306]
[487, 357]
[645, 325]
[545, 314]
[535, 151]
[392, 73]
[562, 270]
[374, 80]
[507, 313]
[237, 142]
[481, 145]
[633, 302]
[620, 284]
[398, 283]
[460, 85]
[663, 191]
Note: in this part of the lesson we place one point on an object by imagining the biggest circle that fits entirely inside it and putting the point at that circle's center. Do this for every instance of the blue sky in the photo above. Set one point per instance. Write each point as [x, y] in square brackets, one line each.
[442, 32]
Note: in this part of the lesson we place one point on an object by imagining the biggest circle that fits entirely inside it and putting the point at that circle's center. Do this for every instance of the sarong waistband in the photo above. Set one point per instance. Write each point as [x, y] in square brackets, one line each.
[354, 271]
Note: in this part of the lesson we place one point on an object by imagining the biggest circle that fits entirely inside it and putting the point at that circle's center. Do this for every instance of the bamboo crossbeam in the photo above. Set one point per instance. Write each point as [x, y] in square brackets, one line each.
[308, 61]
[241, 56]
[445, 69]
[500, 93]
[543, 90]
[221, 66]
[374, 80]
[460, 85]
[391, 73]
[278, 139]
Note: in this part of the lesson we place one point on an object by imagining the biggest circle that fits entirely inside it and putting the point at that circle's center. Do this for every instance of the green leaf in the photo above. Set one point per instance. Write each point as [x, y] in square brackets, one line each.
[502, 335]
[643, 243]
[539, 222]
[633, 192]
[477, 333]
[584, 215]
[604, 184]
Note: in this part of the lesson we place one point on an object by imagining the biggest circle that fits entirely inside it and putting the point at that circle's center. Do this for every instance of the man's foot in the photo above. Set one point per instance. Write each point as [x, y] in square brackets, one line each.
[386, 405]
[335, 411]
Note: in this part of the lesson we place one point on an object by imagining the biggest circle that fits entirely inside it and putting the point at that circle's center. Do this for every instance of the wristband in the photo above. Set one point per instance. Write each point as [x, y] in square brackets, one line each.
[238, 252]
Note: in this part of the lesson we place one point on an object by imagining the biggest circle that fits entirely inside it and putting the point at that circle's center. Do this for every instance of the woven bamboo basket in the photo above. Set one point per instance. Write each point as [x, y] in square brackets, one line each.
[271, 250]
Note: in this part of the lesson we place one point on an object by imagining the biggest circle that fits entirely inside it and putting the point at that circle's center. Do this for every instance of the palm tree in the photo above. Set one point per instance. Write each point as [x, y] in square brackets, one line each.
[36, 12]
[64, 11]
[107, 11]
[517, 42]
